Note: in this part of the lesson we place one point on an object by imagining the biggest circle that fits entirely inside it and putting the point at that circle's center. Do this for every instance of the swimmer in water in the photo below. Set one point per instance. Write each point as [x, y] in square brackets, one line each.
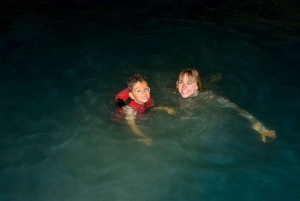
[189, 85]
[136, 99]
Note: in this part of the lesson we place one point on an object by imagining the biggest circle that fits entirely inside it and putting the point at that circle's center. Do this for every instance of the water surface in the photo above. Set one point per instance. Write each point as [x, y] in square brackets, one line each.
[62, 67]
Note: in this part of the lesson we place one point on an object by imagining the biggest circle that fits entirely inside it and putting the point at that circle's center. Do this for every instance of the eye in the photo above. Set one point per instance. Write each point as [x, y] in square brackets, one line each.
[189, 83]
[146, 89]
[138, 91]
[180, 82]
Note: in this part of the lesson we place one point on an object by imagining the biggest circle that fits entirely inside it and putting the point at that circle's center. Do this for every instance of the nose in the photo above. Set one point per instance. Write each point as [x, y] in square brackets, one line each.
[143, 91]
[184, 86]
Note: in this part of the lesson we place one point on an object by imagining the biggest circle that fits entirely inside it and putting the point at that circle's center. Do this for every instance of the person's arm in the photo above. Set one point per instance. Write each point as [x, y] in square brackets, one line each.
[256, 125]
[130, 118]
[167, 109]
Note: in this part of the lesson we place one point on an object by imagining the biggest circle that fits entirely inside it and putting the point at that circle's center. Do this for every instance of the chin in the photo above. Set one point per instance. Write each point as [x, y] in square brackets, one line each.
[185, 95]
[143, 101]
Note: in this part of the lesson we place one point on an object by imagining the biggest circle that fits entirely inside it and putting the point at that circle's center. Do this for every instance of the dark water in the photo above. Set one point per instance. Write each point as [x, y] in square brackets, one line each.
[63, 63]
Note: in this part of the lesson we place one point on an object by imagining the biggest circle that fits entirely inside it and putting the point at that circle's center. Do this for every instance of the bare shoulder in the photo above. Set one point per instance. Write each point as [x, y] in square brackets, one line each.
[208, 95]
[222, 100]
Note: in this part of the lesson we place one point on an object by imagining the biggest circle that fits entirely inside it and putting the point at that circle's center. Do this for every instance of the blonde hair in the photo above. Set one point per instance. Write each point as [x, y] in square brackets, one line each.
[193, 76]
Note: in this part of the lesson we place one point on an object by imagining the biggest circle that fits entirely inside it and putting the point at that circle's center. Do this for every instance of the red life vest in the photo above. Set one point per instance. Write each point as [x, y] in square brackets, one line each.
[123, 99]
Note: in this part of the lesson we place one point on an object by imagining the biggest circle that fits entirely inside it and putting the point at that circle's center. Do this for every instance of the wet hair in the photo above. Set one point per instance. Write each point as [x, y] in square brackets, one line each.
[134, 79]
[193, 76]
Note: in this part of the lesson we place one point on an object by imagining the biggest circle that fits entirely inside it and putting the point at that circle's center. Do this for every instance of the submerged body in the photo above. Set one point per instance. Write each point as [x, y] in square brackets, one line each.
[134, 100]
[189, 86]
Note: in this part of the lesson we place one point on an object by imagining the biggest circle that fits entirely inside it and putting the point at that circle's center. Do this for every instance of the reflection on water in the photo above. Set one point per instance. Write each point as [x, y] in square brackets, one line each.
[62, 66]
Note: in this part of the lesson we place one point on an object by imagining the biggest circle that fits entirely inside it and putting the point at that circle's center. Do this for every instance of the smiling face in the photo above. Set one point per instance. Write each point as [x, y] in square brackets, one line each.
[187, 87]
[140, 92]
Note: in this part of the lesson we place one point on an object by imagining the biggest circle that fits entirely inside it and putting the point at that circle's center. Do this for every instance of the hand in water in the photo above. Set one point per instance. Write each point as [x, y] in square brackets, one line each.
[267, 133]
[264, 132]
[147, 140]
[171, 111]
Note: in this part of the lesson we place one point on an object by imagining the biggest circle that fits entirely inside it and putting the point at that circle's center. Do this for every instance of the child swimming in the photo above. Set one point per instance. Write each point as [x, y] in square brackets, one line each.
[136, 99]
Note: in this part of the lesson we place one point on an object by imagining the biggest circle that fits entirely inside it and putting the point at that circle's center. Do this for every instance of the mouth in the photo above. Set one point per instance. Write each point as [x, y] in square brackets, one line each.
[184, 92]
[145, 97]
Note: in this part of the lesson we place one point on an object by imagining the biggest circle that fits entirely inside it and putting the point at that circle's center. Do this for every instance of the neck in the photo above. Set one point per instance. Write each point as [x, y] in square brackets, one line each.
[196, 92]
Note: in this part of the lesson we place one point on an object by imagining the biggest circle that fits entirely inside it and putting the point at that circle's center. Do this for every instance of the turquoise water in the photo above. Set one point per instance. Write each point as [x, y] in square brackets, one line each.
[61, 68]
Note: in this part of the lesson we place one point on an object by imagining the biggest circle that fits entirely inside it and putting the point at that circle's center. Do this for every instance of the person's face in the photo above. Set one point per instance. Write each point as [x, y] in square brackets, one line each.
[140, 92]
[186, 88]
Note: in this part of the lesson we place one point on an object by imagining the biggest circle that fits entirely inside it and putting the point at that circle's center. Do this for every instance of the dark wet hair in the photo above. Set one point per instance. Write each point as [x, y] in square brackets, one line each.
[134, 79]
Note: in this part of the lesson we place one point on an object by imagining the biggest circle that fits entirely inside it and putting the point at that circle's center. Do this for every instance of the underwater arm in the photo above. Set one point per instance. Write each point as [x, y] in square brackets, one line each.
[256, 125]
[167, 109]
[137, 131]
[130, 118]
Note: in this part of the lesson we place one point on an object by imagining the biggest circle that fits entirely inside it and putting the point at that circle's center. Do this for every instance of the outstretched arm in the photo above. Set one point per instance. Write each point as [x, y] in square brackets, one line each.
[256, 125]
[130, 118]
[136, 130]
[167, 109]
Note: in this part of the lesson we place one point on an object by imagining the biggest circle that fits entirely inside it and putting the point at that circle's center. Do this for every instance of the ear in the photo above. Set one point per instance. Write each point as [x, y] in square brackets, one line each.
[131, 95]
